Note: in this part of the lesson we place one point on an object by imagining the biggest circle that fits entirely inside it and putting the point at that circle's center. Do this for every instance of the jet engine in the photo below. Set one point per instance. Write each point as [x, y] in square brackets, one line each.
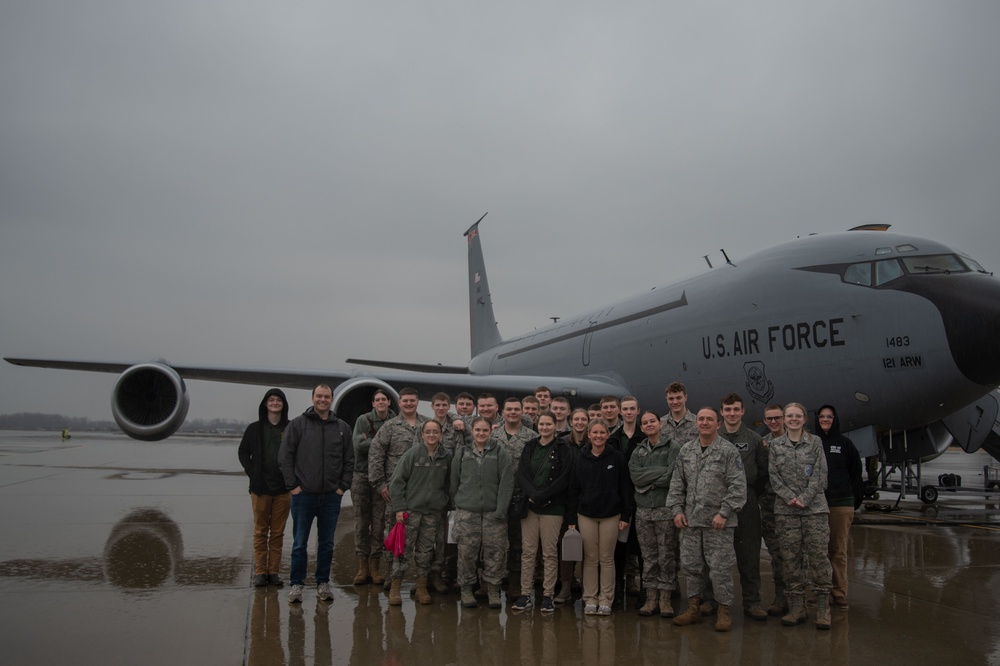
[354, 398]
[149, 401]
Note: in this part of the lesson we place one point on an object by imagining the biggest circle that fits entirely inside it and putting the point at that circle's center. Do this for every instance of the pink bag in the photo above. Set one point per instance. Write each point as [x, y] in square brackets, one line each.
[395, 542]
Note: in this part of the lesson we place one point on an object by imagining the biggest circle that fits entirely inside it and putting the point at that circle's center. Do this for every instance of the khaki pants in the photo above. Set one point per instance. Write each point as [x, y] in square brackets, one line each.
[841, 518]
[545, 529]
[599, 538]
[270, 513]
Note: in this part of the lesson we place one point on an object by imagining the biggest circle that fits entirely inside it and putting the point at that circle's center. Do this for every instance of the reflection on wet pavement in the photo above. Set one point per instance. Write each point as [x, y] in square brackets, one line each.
[142, 554]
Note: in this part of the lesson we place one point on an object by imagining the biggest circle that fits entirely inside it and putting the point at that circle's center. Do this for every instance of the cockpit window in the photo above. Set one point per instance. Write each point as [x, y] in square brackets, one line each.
[906, 247]
[973, 265]
[883, 250]
[937, 263]
[859, 274]
[887, 270]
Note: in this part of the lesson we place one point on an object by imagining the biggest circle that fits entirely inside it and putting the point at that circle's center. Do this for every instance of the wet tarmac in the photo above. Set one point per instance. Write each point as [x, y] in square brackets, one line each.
[117, 551]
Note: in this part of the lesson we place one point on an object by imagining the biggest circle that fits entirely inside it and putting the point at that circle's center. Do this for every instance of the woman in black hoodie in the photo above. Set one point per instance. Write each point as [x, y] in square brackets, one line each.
[844, 492]
[600, 501]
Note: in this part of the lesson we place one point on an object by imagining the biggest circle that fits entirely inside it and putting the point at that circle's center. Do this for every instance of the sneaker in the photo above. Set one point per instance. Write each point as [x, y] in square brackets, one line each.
[590, 609]
[604, 610]
[523, 603]
[547, 606]
[272, 579]
[295, 594]
[324, 592]
[260, 580]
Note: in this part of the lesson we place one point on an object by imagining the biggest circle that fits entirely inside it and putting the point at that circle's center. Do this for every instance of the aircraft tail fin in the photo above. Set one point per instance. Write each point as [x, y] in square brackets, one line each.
[483, 331]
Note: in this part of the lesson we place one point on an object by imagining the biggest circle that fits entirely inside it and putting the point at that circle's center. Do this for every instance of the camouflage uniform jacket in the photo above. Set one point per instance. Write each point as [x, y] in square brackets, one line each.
[514, 444]
[651, 467]
[706, 481]
[392, 440]
[364, 430]
[798, 469]
[420, 482]
[681, 432]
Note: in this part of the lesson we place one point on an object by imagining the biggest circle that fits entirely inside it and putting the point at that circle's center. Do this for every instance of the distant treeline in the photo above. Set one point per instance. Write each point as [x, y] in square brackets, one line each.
[38, 421]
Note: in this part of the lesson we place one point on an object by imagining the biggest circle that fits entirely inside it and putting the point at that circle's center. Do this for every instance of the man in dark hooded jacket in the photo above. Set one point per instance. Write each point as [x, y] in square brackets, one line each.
[269, 497]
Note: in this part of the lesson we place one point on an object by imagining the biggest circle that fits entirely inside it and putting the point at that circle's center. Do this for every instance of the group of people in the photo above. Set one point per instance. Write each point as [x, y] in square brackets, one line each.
[693, 494]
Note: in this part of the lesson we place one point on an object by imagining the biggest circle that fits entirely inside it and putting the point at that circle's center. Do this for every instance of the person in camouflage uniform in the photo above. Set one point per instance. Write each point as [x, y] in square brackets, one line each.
[678, 424]
[369, 507]
[798, 474]
[774, 419]
[482, 481]
[392, 440]
[419, 494]
[651, 467]
[513, 435]
[707, 491]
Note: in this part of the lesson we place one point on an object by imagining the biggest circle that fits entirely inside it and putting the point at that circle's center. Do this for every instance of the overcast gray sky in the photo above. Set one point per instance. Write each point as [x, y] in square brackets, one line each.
[286, 184]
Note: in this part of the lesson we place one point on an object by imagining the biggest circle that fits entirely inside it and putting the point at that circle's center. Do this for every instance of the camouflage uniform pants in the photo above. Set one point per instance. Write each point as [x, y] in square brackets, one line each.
[805, 539]
[439, 565]
[657, 536]
[421, 541]
[701, 546]
[769, 532]
[477, 533]
[369, 507]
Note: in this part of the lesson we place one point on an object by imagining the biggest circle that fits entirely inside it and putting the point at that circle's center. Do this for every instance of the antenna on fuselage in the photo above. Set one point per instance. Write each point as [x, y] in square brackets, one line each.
[726, 256]
[707, 261]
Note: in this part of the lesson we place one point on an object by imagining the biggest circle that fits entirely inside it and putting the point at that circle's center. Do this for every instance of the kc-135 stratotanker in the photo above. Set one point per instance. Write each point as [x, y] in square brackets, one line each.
[899, 332]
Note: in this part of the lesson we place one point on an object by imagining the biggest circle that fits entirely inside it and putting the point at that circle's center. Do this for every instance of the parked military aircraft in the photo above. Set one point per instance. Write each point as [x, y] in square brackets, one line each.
[900, 333]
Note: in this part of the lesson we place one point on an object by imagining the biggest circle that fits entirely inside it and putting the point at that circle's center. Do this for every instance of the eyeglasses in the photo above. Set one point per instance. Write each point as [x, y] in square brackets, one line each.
[825, 417]
[773, 418]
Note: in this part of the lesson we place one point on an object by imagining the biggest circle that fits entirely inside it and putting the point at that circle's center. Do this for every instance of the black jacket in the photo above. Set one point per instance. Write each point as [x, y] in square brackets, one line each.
[252, 454]
[317, 455]
[843, 463]
[555, 491]
[600, 486]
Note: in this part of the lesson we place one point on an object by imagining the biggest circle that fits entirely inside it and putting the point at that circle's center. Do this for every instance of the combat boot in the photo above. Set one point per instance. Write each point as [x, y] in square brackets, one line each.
[796, 611]
[724, 622]
[395, 596]
[423, 596]
[361, 577]
[468, 598]
[692, 615]
[493, 594]
[565, 594]
[779, 607]
[375, 570]
[666, 606]
[438, 583]
[649, 607]
[823, 612]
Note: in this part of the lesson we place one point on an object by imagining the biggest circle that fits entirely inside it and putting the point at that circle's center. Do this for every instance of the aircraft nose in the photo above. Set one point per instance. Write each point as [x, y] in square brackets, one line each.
[970, 311]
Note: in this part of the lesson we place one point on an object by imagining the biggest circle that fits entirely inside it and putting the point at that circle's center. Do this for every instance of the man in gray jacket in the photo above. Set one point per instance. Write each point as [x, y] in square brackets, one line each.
[317, 461]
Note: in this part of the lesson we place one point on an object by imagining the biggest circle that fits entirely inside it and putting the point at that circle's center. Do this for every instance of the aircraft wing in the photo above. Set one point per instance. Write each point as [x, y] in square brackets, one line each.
[425, 381]
[150, 399]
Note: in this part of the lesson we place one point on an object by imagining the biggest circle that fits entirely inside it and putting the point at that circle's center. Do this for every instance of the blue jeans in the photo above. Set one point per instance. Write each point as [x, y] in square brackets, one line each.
[325, 509]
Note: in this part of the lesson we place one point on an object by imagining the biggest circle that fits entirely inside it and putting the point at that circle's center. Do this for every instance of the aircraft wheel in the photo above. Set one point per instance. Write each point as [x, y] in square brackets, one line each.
[928, 494]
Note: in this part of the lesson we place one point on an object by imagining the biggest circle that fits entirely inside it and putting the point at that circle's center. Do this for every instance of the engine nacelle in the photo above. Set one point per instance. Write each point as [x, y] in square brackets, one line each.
[150, 401]
[354, 398]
